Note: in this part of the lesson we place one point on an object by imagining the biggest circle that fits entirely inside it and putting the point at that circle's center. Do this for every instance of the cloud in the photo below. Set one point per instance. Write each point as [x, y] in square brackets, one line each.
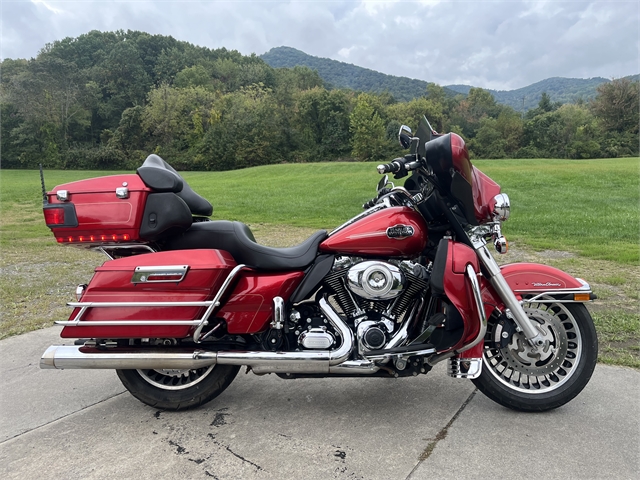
[493, 44]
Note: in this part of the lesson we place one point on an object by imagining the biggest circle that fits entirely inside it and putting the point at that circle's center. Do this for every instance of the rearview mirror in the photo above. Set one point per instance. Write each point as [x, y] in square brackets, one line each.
[383, 182]
[405, 136]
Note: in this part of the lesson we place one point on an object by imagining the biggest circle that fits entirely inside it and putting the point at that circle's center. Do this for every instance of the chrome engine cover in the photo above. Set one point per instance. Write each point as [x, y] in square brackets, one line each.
[375, 280]
[316, 339]
[371, 335]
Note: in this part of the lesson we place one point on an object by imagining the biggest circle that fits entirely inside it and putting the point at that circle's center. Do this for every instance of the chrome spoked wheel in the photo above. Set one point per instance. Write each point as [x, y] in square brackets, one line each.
[175, 379]
[527, 379]
[178, 389]
[518, 366]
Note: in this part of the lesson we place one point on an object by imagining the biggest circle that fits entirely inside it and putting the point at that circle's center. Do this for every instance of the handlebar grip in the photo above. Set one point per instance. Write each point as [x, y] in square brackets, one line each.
[392, 167]
[369, 204]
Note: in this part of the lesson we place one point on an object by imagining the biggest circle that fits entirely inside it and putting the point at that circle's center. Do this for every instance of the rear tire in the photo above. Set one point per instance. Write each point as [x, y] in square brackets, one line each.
[178, 389]
[521, 379]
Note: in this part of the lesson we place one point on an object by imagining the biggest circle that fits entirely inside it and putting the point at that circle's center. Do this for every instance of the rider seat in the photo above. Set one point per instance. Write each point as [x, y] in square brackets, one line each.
[237, 239]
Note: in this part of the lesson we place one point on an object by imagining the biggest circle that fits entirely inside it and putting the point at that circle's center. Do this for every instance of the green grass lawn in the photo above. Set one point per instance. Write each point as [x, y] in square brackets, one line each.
[590, 207]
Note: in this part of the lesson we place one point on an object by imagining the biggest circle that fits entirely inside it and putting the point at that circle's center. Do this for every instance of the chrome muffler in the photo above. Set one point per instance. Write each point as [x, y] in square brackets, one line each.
[74, 356]
[307, 361]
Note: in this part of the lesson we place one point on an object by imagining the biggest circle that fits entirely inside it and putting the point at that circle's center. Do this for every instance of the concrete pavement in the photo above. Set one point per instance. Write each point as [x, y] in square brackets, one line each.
[83, 424]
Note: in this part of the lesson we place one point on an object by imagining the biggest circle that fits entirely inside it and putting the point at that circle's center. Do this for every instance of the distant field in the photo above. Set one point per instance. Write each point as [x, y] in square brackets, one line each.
[591, 207]
[581, 216]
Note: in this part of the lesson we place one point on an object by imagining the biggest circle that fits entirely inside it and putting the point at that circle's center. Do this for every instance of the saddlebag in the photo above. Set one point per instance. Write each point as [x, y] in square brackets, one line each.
[156, 295]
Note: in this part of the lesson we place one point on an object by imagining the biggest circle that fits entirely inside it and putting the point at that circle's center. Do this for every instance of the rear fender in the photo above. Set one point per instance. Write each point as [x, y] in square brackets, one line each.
[538, 283]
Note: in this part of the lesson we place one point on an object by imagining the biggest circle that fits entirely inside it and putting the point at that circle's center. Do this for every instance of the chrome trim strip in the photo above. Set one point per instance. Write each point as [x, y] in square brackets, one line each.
[125, 323]
[586, 289]
[142, 274]
[366, 213]
[86, 305]
[477, 297]
[373, 356]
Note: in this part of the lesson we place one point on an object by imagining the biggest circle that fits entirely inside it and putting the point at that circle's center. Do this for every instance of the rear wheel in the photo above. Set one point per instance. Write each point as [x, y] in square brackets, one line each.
[521, 378]
[178, 389]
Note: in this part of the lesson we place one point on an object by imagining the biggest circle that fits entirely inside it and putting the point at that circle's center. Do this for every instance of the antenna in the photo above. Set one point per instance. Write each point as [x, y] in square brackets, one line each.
[45, 199]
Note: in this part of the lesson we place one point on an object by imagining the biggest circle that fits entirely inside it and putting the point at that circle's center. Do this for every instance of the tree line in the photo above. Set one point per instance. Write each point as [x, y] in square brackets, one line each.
[105, 100]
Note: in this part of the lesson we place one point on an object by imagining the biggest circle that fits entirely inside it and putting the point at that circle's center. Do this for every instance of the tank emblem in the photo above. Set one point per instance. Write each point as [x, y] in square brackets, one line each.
[400, 232]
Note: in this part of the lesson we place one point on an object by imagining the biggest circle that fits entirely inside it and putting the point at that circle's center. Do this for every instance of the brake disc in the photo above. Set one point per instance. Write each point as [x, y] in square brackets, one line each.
[543, 360]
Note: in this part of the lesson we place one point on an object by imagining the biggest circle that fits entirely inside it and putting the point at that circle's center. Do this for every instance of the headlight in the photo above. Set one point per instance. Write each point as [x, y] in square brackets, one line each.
[502, 207]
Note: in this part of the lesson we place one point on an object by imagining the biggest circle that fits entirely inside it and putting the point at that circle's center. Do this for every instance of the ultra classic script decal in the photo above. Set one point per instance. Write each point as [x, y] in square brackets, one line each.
[548, 284]
[400, 232]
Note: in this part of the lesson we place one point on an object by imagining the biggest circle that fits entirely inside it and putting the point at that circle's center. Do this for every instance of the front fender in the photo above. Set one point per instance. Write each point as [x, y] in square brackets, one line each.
[539, 282]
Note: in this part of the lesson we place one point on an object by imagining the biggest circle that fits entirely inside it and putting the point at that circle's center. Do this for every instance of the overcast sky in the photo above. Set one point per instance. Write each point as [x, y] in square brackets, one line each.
[491, 44]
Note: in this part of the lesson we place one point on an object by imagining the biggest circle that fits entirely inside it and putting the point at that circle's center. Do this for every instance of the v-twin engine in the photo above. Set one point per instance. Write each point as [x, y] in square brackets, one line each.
[374, 296]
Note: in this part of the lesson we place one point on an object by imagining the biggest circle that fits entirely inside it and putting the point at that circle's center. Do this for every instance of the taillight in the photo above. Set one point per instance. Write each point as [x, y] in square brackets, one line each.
[60, 215]
[115, 237]
[54, 216]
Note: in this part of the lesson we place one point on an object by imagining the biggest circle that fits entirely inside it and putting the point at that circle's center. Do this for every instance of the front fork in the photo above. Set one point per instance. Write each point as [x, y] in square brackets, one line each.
[533, 336]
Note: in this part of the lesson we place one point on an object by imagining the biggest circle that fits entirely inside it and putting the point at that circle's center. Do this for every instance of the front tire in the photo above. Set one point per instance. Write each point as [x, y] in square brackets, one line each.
[519, 378]
[178, 389]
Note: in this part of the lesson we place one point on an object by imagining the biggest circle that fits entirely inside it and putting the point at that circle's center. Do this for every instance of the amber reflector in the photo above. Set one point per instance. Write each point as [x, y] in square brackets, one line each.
[581, 297]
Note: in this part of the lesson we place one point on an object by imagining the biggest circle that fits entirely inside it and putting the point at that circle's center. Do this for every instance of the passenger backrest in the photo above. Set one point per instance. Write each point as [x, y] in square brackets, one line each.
[161, 177]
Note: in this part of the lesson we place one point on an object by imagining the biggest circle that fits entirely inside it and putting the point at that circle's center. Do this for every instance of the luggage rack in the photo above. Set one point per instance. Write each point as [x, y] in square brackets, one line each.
[200, 323]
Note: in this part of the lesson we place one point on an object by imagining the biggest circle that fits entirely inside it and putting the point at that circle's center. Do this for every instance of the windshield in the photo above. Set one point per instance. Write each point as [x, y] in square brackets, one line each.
[425, 133]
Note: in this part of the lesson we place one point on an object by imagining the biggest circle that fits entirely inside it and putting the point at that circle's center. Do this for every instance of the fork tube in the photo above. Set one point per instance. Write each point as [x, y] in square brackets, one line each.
[506, 294]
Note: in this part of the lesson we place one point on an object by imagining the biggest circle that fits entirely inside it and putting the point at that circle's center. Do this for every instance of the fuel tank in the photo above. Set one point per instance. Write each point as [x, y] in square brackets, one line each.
[392, 232]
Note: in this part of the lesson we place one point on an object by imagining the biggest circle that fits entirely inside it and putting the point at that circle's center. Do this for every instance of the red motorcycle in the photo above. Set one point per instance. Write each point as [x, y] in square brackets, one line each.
[184, 301]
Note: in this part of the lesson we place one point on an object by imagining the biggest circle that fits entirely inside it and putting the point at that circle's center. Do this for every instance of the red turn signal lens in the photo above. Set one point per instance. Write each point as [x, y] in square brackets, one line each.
[54, 216]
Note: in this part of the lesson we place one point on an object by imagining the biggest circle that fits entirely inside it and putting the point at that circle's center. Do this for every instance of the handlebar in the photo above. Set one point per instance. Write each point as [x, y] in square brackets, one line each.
[399, 166]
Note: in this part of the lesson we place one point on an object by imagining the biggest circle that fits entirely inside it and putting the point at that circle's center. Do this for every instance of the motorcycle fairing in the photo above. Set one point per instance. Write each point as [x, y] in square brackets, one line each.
[458, 288]
[484, 192]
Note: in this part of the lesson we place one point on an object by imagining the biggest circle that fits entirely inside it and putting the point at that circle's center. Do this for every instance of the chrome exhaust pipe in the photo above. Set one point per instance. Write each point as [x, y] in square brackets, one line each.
[74, 356]
[308, 361]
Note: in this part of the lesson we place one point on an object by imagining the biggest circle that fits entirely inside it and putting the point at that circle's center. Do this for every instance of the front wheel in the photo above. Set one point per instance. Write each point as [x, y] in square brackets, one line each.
[178, 389]
[525, 379]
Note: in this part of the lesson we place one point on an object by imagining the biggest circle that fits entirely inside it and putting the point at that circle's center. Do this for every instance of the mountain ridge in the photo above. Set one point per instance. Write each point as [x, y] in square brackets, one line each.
[346, 75]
